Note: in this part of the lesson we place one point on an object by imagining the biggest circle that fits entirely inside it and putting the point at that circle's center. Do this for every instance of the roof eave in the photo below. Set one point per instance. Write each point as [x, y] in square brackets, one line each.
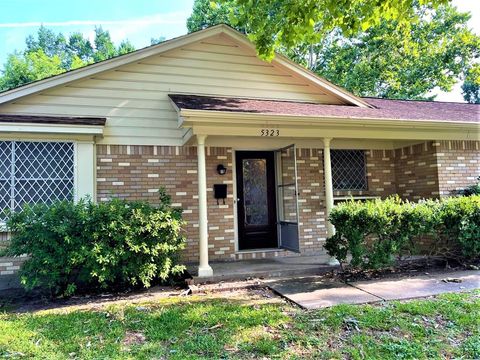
[214, 115]
[51, 129]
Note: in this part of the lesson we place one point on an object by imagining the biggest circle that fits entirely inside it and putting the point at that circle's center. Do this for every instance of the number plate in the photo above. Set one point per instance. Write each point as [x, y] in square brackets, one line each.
[269, 132]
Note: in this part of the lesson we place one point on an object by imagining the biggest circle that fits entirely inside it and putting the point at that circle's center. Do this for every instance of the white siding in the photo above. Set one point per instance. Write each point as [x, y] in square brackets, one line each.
[134, 97]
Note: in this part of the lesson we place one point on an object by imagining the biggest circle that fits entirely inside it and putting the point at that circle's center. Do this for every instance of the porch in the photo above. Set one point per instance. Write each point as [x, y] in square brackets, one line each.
[396, 155]
[264, 268]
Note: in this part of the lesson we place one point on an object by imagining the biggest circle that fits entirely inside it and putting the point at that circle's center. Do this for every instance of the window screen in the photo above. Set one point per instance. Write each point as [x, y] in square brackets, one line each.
[349, 170]
[35, 172]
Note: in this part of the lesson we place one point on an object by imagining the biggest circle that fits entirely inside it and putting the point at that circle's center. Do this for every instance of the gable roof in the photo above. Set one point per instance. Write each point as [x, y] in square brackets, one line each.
[135, 56]
[422, 111]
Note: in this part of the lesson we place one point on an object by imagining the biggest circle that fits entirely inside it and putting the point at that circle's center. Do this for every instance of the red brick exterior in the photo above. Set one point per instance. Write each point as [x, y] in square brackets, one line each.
[436, 168]
[416, 173]
[458, 165]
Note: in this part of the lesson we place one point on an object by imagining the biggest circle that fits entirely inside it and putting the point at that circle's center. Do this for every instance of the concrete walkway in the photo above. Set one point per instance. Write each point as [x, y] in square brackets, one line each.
[315, 292]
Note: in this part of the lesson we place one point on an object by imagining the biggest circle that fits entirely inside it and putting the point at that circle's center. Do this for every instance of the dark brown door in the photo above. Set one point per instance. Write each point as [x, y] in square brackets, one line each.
[257, 215]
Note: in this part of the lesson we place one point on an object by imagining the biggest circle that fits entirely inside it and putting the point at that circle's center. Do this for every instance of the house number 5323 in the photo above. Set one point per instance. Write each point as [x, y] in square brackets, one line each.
[269, 132]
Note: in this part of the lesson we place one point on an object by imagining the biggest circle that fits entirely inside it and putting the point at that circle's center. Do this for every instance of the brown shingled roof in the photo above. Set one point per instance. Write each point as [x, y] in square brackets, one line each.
[383, 108]
[40, 119]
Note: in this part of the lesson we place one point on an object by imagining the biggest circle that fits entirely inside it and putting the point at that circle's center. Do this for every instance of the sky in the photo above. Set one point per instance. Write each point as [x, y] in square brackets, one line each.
[135, 20]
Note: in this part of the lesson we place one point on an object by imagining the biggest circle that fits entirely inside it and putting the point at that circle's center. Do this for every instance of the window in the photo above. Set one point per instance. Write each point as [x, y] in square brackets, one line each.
[35, 172]
[349, 170]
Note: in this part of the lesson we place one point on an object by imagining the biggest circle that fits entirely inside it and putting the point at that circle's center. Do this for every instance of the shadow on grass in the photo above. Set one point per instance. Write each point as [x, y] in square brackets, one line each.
[197, 328]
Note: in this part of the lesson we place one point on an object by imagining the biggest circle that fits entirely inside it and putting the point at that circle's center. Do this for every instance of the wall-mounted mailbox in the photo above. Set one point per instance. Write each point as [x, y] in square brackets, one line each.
[220, 192]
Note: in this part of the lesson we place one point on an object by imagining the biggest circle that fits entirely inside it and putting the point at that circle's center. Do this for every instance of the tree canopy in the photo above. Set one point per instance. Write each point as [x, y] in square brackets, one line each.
[272, 25]
[380, 60]
[49, 53]
[471, 85]
[206, 13]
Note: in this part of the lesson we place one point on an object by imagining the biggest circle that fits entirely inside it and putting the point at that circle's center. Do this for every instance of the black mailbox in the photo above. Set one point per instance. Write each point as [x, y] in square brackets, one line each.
[220, 192]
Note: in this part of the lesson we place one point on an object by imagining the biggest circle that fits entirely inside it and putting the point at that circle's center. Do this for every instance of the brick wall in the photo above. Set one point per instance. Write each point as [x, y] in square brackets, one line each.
[436, 168]
[136, 172]
[10, 265]
[458, 165]
[416, 171]
[311, 201]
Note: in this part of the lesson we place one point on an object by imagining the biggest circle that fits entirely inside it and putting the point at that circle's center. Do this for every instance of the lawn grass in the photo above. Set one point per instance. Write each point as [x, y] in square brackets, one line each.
[216, 327]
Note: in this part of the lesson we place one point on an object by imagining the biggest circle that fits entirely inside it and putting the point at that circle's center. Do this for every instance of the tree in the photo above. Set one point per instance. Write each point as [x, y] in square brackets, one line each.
[24, 68]
[81, 47]
[206, 13]
[48, 54]
[274, 24]
[381, 61]
[52, 44]
[471, 85]
[125, 47]
[155, 41]
[104, 47]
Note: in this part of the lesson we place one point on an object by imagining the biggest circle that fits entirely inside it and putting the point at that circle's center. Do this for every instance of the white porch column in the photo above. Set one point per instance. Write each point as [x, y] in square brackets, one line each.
[327, 168]
[204, 269]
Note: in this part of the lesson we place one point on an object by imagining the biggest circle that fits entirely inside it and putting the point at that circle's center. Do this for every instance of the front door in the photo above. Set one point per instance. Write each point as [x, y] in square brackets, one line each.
[257, 217]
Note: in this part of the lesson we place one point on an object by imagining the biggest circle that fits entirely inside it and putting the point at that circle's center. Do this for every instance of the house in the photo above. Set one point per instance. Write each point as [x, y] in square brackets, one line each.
[255, 153]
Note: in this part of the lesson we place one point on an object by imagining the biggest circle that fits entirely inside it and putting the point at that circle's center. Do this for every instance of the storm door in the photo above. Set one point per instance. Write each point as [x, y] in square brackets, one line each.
[287, 195]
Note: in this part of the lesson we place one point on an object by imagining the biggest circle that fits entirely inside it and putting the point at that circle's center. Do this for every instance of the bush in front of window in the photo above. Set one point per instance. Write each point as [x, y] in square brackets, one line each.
[113, 245]
[376, 233]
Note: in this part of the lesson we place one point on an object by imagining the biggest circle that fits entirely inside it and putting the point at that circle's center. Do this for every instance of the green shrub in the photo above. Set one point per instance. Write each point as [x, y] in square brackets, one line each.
[110, 245]
[459, 220]
[376, 232]
[472, 189]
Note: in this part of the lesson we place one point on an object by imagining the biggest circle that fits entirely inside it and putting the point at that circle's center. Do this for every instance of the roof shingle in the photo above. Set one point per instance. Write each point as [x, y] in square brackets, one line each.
[382, 108]
[40, 119]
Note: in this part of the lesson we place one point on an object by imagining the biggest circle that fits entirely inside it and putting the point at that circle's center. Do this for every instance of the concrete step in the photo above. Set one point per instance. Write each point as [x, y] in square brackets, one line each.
[264, 268]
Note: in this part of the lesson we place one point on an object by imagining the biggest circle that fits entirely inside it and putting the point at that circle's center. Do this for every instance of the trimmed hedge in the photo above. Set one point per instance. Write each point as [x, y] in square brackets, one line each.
[110, 245]
[374, 233]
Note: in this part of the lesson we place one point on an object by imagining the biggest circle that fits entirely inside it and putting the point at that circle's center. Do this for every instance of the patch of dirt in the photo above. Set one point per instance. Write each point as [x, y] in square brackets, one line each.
[133, 338]
[19, 301]
[403, 269]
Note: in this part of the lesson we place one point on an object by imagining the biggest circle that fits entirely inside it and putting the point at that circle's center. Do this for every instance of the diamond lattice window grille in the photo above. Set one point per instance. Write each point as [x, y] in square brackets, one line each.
[349, 170]
[35, 172]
